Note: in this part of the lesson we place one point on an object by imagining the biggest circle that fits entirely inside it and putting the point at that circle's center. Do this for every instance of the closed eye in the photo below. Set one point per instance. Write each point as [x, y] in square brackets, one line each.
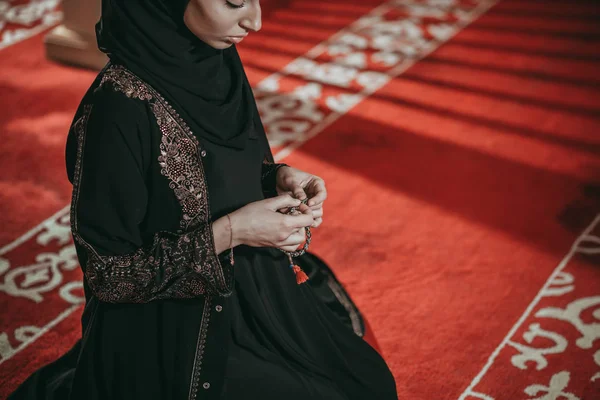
[236, 6]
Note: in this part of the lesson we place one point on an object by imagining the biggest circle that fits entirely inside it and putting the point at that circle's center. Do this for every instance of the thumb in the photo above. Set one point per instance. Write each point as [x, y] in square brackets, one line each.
[299, 192]
[283, 201]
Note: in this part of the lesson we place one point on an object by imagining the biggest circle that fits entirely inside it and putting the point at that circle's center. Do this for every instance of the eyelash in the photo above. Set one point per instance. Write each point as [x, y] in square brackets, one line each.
[235, 6]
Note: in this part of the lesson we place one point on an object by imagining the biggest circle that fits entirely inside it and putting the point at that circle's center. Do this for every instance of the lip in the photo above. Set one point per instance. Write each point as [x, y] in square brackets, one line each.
[236, 39]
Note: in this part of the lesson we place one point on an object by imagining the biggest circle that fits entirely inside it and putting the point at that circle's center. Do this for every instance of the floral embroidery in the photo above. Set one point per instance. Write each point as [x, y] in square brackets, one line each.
[125, 82]
[179, 265]
[179, 159]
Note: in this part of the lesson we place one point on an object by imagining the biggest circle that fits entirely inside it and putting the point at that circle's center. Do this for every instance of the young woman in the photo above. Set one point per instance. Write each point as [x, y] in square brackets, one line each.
[179, 216]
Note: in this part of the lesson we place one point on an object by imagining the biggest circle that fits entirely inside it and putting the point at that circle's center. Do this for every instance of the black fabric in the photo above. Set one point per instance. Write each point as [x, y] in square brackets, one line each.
[208, 87]
[271, 338]
[287, 343]
[286, 340]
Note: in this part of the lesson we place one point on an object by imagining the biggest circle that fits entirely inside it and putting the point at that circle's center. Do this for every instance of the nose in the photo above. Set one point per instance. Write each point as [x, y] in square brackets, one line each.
[252, 21]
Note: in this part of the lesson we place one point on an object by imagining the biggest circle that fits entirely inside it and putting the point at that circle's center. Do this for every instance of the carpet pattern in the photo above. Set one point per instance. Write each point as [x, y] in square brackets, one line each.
[458, 140]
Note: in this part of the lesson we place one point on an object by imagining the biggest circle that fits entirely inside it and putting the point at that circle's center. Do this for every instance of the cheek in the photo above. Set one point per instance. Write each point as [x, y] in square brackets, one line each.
[217, 20]
[223, 24]
[211, 21]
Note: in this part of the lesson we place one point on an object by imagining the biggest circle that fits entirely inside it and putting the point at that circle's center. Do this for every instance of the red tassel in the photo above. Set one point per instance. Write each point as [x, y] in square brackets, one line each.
[301, 276]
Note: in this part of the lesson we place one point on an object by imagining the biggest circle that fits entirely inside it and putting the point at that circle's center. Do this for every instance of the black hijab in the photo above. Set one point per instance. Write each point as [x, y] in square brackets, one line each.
[208, 87]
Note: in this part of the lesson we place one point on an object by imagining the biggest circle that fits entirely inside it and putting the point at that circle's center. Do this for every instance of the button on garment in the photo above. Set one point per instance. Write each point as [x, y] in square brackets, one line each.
[284, 342]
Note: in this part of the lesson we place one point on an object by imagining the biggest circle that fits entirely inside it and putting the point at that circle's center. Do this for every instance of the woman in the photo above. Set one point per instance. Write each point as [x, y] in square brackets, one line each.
[179, 216]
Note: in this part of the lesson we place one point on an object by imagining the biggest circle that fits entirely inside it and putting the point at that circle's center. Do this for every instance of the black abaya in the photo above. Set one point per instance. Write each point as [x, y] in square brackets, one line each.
[165, 317]
[285, 342]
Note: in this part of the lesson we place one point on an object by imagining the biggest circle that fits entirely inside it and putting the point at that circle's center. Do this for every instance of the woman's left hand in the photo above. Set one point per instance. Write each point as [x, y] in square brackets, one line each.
[301, 185]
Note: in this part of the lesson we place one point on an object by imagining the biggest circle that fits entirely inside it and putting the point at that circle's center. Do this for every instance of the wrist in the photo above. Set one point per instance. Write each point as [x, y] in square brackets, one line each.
[236, 231]
[221, 234]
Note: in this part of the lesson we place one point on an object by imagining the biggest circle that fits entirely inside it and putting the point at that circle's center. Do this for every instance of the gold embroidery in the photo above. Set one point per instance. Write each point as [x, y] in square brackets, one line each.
[173, 265]
[132, 277]
[200, 344]
[125, 82]
[79, 127]
[161, 270]
[179, 159]
[180, 163]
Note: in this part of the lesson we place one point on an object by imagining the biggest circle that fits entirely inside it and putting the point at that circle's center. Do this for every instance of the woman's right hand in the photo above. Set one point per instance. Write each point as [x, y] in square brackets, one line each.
[259, 224]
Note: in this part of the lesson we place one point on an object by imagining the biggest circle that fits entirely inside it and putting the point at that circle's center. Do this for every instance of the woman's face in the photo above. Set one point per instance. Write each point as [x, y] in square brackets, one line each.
[221, 23]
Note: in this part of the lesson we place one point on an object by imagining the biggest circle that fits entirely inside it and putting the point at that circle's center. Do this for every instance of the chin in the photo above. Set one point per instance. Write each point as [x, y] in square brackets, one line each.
[219, 44]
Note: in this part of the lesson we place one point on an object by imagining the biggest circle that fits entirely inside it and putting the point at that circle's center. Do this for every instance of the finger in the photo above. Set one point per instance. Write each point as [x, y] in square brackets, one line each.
[298, 192]
[295, 239]
[317, 213]
[299, 220]
[304, 209]
[283, 201]
[320, 193]
[301, 209]
[290, 249]
[317, 222]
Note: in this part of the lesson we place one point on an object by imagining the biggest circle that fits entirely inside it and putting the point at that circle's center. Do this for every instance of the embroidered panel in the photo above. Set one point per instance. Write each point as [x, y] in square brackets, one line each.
[134, 277]
[179, 158]
[178, 265]
[200, 345]
[181, 164]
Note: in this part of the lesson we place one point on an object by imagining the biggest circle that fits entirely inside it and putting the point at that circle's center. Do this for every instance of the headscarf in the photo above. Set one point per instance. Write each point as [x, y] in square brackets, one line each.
[207, 86]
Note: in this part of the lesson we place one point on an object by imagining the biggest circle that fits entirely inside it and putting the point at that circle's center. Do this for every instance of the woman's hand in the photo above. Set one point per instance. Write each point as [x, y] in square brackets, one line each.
[301, 185]
[259, 224]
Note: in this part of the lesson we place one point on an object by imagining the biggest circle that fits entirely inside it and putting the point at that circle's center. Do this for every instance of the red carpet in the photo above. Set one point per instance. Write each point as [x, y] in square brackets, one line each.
[464, 186]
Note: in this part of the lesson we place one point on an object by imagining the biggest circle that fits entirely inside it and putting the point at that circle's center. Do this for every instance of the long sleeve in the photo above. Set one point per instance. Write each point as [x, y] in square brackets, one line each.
[269, 167]
[269, 177]
[110, 199]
